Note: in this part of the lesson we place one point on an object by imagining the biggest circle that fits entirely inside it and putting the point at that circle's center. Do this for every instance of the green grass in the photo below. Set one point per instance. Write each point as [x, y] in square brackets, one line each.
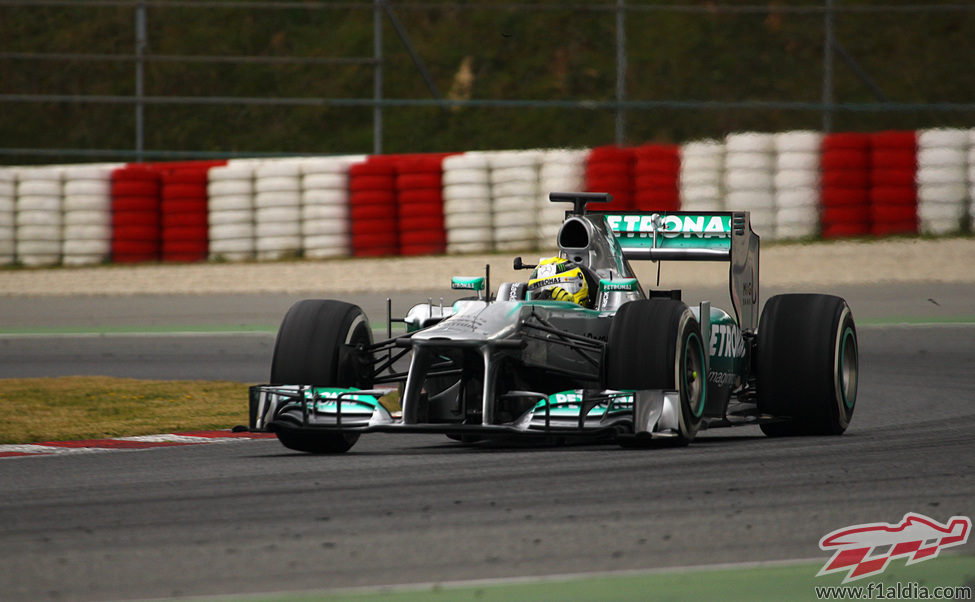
[778, 582]
[95, 407]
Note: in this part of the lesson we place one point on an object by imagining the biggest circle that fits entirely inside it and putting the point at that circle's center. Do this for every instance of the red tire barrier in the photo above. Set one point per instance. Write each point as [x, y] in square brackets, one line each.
[135, 214]
[372, 202]
[845, 193]
[184, 213]
[656, 178]
[893, 192]
[610, 169]
[419, 193]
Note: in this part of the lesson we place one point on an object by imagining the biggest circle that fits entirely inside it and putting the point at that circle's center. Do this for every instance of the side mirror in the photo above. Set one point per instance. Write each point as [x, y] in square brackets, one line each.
[518, 265]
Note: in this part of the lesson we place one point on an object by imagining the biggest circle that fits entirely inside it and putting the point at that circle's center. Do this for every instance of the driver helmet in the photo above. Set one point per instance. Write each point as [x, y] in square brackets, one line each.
[559, 279]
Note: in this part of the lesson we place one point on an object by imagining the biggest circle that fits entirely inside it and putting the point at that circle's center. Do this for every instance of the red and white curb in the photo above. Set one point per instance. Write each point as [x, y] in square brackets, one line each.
[48, 448]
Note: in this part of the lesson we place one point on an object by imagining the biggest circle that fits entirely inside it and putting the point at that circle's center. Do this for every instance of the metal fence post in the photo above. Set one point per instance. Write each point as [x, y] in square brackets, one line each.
[140, 48]
[377, 81]
[620, 70]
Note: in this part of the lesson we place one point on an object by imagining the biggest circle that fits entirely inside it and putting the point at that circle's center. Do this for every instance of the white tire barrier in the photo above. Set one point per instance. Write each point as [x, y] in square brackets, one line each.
[942, 180]
[749, 180]
[468, 215]
[277, 209]
[325, 225]
[87, 206]
[796, 182]
[701, 175]
[38, 219]
[514, 180]
[8, 205]
[230, 212]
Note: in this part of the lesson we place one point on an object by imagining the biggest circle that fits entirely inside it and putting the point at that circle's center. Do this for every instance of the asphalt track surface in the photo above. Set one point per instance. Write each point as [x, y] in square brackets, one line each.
[251, 516]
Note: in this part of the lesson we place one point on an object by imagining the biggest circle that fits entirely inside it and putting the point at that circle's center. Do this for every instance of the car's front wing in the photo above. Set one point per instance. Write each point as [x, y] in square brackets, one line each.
[644, 414]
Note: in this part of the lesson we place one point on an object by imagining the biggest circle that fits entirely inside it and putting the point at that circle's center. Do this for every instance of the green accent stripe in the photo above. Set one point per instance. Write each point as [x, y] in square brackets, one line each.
[140, 329]
[788, 581]
[916, 321]
[162, 329]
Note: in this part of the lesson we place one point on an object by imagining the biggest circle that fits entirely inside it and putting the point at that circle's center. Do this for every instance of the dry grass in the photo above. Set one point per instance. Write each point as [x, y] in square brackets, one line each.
[94, 407]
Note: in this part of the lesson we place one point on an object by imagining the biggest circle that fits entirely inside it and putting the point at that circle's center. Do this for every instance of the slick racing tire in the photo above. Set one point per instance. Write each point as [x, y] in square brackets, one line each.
[312, 348]
[656, 344]
[806, 364]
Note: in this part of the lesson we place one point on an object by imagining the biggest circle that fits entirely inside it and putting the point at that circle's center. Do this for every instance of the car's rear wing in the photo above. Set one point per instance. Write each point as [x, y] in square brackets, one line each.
[696, 236]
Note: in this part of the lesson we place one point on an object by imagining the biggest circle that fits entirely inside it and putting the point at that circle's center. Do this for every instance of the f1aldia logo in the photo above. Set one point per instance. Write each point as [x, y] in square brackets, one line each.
[865, 550]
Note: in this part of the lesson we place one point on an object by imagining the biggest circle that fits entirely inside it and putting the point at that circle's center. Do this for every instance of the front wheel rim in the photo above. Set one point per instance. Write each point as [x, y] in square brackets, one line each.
[846, 368]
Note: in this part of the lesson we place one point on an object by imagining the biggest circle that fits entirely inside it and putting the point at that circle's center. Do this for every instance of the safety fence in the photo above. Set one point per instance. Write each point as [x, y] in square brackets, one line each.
[797, 185]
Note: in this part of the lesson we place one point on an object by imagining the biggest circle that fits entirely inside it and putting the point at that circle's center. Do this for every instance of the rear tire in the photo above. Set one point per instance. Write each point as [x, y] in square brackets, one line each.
[656, 344]
[807, 364]
[313, 347]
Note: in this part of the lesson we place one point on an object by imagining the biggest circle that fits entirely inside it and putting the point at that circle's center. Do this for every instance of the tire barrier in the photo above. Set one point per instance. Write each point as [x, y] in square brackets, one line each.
[942, 180]
[797, 185]
[87, 207]
[325, 220]
[749, 180]
[136, 216]
[277, 209]
[845, 199]
[514, 198]
[561, 170]
[796, 182]
[420, 204]
[372, 206]
[701, 176]
[971, 181]
[467, 208]
[656, 175]
[184, 220]
[893, 189]
[610, 169]
[8, 203]
[38, 216]
[230, 212]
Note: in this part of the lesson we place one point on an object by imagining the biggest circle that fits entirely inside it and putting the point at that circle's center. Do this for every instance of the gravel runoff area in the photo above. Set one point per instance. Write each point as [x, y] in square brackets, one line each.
[783, 265]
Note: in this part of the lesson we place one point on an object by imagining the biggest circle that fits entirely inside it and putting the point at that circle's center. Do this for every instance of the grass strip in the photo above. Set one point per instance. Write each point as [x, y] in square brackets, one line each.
[96, 407]
[778, 582]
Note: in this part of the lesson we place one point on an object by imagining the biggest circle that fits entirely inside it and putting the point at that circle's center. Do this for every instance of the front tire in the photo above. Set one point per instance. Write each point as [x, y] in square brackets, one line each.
[316, 346]
[656, 344]
[807, 364]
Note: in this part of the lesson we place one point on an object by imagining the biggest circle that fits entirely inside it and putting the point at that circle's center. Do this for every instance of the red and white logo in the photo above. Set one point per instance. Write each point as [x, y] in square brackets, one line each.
[864, 550]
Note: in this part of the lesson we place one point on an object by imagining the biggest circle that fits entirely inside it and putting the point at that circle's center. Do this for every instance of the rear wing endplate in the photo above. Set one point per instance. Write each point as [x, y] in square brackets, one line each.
[697, 236]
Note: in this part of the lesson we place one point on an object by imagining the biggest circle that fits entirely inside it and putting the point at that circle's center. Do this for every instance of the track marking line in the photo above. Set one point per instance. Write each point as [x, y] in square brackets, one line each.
[140, 442]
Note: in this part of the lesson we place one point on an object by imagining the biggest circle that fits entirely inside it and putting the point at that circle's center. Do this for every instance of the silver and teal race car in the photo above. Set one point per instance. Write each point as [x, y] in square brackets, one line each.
[636, 366]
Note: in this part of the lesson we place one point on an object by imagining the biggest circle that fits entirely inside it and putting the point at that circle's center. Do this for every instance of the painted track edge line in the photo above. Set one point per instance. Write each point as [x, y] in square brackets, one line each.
[132, 443]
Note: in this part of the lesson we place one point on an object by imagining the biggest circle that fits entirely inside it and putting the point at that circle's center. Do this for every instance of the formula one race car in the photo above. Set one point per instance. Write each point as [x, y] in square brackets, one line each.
[580, 350]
